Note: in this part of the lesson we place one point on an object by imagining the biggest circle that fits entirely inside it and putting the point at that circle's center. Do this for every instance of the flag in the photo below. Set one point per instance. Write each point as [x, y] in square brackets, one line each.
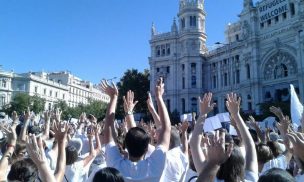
[296, 107]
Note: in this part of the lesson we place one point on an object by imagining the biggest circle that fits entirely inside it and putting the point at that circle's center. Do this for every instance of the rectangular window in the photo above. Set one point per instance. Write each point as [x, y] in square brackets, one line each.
[192, 21]
[168, 69]
[193, 81]
[157, 51]
[56, 94]
[225, 79]
[36, 89]
[276, 19]
[183, 23]
[193, 68]
[214, 81]
[44, 91]
[237, 76]
[262, 25]
[292, 9]
[284, 15]
[51, 93]
[63, 96]
[183, 82]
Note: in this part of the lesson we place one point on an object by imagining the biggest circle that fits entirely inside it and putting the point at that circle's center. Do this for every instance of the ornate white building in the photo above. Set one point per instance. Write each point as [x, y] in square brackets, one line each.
[53, 87]
[262, 55]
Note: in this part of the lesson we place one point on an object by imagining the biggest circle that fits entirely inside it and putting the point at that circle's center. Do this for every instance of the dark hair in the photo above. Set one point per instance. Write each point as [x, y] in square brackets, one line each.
[71, 155]
[174, 138]
[276, 175]
[137, 141]
[20, 146]
[275, 148]
[233, 169]
[264, 153]
[24, 170]
[108, 174]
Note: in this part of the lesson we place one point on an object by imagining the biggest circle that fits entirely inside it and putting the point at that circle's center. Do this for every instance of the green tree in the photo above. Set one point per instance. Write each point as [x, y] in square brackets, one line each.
[19, 103]
[139, 83]
[37, 104]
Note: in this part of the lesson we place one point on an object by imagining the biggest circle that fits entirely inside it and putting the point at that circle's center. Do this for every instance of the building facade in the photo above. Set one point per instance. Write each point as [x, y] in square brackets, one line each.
[53, 87]
[261, 56]
[6, 90]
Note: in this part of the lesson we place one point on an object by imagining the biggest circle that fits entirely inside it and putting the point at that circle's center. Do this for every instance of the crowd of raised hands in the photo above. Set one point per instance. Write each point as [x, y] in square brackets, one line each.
[107, 150]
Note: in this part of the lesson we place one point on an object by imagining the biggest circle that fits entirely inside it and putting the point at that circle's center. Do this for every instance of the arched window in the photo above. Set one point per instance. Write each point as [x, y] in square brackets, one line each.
[280, 71]
[183, 23]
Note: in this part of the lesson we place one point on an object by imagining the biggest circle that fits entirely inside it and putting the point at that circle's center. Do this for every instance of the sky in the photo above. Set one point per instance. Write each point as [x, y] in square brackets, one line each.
[93, 39]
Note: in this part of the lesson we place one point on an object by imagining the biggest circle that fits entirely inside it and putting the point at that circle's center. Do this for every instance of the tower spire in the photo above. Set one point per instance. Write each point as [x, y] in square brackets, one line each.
[174, 26]
[247, 4]
[153, 29]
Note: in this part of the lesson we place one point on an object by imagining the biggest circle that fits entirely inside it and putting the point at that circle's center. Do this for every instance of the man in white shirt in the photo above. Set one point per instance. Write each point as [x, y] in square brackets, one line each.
[135, 168]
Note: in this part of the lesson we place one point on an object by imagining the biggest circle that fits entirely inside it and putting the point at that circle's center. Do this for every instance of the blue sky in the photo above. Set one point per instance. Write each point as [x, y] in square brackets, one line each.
[93, 39]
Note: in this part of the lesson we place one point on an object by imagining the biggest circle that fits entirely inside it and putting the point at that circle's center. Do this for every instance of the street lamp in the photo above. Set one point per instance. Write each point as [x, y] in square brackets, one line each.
[109, 79]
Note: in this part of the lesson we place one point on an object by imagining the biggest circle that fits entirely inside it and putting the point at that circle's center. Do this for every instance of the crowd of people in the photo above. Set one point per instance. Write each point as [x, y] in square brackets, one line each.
[108, 151]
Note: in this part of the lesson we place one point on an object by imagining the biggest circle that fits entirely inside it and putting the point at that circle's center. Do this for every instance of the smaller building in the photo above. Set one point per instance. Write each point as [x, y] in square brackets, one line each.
[5, 87]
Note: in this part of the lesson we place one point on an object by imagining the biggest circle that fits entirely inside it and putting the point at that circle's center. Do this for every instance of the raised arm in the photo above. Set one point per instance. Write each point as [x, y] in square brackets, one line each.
[284, 127]
[47, 118]
[164, 135]
[61, 138]
[112, 91]
[254, 124]
[195, 142]
[23, 132]
[217, 154]
[233, 105]
[129, 105]
[184, 138]
[153, 111]
[93, 132]
[12, 139]
[277, 112]
[36, 152]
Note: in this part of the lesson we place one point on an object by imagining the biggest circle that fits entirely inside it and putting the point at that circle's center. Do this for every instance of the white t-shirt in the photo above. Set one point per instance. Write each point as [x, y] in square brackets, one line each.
[148, 170]
[176, 165]
[191, 175]
[279, 162]
[98, 163]
[52, 159]
[249, 177]
[299, 178]
[75, 172]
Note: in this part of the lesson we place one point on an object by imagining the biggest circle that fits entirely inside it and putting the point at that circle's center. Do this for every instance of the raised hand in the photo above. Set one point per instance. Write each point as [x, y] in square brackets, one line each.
[10, 132]
[233, 104]
[35, 150]
[27, 114]
[15, 116]
[58, 113]
[216, 152]
[184, 127]
[160, 88]
[110, 90]
[277, 112]
[284, 125]
[129, 102]
[150, 102]
[205, 104]
[60, 131]
[297, 140]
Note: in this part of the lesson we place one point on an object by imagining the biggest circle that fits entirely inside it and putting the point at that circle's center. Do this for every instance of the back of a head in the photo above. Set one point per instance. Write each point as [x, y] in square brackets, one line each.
[108, 174]
[174, 138]
[71, 155]
[233, 169]
[276, 175]
[275, 148]
[136, 142]
[23, 170]
[264, 153]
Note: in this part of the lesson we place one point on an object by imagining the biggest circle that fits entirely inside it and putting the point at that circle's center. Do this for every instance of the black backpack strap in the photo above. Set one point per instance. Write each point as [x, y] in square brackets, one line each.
[192, 178]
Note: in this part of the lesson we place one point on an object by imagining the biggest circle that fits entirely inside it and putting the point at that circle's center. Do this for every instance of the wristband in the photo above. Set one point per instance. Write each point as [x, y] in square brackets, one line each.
[129, 113]
[9, 145]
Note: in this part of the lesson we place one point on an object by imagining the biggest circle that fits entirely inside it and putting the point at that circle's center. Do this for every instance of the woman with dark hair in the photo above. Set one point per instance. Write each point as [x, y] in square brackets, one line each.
[108, 174]
[76, 169]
